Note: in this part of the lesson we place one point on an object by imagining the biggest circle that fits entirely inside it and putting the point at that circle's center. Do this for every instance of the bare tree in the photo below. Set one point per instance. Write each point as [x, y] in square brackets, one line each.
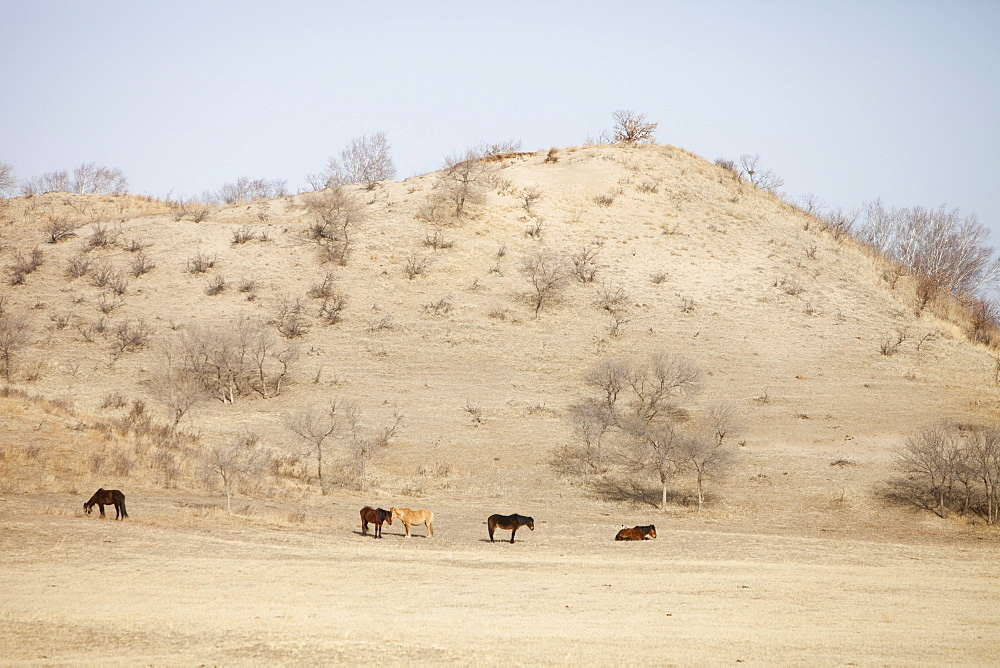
[610, 377]
[366, 444]
[929, 457]
[547, 275]
[465, 180]
[367, 161]
[764, 179]
[591, 419]
[705, 458]
[632, 128]
[336, 215]
[233, 461]
[245, 189]
[937, 243]
[723, 419]
[48, 182]
[8, 182]
[984, 462]
[90, 178]
[15, 334]
[315, 426]
[656, 445]
[656, 382]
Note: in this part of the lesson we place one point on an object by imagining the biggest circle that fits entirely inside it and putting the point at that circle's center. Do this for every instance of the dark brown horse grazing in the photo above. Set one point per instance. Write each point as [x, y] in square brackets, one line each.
[509, 522]
[637, 533]
[107, 497]
[376, 516]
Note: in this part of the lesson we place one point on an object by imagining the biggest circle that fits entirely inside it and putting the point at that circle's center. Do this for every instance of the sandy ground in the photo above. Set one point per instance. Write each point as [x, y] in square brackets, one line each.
[159, 589]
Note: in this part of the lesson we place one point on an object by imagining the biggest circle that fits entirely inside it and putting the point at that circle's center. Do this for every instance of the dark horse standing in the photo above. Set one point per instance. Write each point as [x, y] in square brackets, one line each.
[376, 516]
[509, 522]
[107, 497]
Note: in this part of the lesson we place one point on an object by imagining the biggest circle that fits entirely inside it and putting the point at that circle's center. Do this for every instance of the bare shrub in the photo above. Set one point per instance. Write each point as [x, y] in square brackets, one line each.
[290, 320]
[336, 215]
[324, 289]
[131, 335]
[416, 265]
[534, 228]
[365, 443]
[764, 179]
[101, 236]
[529, 197]
[141, 264]
[331, 312]
[59, 229]
[585, 264]
[891, 344]
[632, 128]
[383, 324]
[109, 301]
[201, 263]
[547, 275]
[24, 265]
[552, 156]
[605, 200]
[314, 426]
[78, 266]
[246, 189]
[243, 234]
[237, 461]
[437, 240]
[15, 334]
[440, 306]
[840, 222]
[658, 277]
[366, 160]
[216, 286]
[465, 180]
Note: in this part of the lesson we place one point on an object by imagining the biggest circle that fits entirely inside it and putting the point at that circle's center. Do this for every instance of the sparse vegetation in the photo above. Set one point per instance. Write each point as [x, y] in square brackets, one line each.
[632, 128]
[547, 275]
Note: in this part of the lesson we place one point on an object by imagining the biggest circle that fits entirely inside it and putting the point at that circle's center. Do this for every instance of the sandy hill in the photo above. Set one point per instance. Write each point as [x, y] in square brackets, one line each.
[785, 321]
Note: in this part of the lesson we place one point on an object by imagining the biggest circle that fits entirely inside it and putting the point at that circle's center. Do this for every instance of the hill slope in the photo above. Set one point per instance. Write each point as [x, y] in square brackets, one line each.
[784, 321]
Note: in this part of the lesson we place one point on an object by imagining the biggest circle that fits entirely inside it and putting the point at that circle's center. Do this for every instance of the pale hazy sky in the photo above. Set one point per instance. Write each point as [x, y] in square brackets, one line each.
[847, 100]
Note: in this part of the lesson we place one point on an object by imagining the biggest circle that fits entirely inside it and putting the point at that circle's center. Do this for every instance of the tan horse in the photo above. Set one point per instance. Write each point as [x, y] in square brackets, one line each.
[415, 517]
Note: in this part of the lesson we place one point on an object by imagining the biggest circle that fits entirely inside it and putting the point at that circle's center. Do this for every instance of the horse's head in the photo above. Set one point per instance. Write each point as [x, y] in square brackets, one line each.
[652, 531]
[87, 507]
[387, 515]
[530, 523]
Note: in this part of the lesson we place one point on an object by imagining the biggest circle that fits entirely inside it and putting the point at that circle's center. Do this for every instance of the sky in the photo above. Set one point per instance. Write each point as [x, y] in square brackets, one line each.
[849, 101]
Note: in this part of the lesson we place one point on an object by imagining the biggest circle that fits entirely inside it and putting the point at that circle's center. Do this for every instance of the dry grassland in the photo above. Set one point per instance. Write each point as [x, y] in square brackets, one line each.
[797, 557]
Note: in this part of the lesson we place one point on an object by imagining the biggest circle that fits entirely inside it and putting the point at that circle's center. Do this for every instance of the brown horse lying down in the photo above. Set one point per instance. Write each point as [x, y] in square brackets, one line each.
[375, 516]
[107, 497]
[415, 517]
[637, 533]
[509, 522]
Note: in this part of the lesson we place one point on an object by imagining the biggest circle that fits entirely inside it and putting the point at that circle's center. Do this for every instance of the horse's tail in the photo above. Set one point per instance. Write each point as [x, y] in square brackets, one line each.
[124, 512]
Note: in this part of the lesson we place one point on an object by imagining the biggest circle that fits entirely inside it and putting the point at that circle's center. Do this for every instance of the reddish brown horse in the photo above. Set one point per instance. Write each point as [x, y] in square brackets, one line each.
[374, 516]
[637, 533]
[107, 497]
[510, 523]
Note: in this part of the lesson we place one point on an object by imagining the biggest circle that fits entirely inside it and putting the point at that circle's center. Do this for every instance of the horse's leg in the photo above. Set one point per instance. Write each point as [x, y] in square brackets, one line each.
[364, 527]
[430, 529]
[490, 528]
[407, 527]
[512, 532]
[101, 506]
